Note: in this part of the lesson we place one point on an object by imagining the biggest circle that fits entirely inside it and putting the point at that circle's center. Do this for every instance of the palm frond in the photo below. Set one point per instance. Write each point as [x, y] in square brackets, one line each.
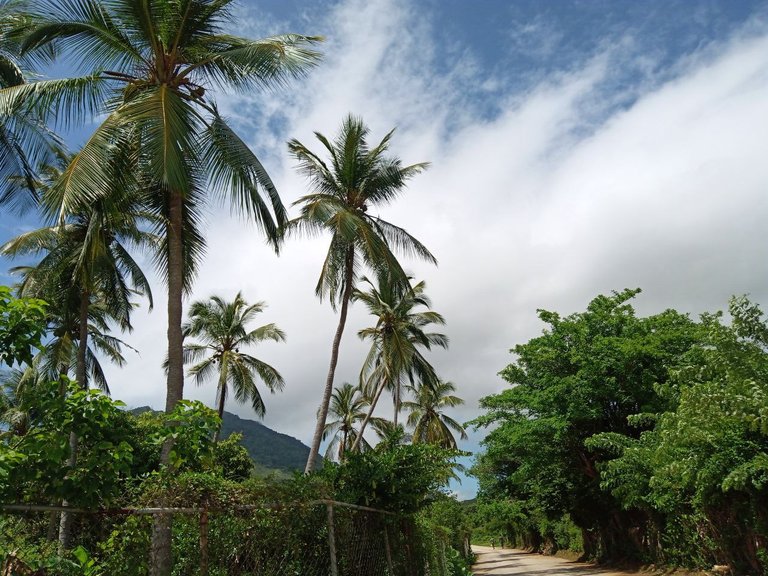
[236, 172]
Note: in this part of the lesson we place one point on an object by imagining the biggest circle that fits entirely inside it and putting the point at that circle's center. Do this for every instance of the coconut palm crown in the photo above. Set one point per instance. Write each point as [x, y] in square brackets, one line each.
[221, 327]
[86, 263]
[347, 410]
[430, 424]
[398, 339]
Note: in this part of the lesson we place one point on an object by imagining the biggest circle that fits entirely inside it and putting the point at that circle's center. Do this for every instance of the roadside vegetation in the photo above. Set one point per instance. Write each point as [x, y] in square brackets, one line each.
[631, 438]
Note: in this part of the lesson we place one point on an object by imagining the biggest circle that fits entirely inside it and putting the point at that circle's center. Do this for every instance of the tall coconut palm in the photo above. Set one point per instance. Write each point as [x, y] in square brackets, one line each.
[86, 261]
[430, 424]
[346, 191]
[150, 69]
[222, 327]
[397, 339]
[347, 410]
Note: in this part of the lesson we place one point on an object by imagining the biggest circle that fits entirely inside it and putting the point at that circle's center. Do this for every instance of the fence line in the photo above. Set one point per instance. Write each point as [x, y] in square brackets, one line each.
[172, 510]
[313, 538]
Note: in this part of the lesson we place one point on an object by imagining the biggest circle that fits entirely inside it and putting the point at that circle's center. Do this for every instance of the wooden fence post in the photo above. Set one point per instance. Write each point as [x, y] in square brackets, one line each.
[332, 541]
[204, 542]
[388, 549]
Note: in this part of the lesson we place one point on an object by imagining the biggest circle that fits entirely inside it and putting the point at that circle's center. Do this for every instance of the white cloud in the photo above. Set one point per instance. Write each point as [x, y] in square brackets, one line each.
[558, 198]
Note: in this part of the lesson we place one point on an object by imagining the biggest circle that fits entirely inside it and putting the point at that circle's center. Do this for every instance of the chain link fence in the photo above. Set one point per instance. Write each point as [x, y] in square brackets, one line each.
[317, 538]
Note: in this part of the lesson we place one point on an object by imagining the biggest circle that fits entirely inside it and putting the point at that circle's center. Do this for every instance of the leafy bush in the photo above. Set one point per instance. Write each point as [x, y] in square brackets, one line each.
[400, 478]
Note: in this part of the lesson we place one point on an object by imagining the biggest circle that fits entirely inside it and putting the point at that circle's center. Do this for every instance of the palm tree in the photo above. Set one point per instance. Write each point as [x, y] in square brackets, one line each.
[347, 409]
[25, 142]
[150, 67]
[222, 327]
[86, 262]
[430, 424]
[397, 339]
[346, 190]
[17, 384]
[86, 259]
[62, 351]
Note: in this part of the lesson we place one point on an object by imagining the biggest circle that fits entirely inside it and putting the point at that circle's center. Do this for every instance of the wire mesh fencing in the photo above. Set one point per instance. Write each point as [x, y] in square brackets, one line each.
[318, 538]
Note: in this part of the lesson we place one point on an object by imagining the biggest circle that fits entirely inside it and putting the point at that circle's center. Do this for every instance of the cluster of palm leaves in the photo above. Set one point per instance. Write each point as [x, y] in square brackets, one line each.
[395, 362]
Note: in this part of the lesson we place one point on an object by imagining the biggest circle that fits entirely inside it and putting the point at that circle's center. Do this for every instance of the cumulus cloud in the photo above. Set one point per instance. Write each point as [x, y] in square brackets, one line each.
[560, 196]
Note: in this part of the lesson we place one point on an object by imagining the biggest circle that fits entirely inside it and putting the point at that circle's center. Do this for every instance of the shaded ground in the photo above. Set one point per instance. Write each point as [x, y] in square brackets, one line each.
[508, 562]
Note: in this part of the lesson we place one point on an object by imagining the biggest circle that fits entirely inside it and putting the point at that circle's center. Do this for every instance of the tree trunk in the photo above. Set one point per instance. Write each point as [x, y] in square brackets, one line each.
[175, 382]
[65, 522]
[322, 412]
[161, 561]
[222, 399]
[397, 402]
[368, 416]
[344, 440]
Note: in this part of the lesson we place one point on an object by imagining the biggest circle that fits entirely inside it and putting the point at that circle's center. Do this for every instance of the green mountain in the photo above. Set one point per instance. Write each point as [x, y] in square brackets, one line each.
[270, 450]
[267, 448]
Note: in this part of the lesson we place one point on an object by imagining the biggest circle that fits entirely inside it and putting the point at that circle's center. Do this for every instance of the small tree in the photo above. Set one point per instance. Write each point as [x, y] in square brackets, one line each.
[426, 415]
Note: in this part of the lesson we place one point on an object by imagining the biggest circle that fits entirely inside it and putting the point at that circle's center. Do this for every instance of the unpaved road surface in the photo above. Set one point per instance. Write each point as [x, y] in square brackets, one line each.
[508, 562]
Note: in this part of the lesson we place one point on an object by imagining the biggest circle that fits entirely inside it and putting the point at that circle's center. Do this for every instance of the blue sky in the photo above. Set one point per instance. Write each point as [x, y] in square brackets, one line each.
[576, 147]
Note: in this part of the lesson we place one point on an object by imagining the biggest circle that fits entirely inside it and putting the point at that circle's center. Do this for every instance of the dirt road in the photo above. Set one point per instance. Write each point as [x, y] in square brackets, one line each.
[509, 562]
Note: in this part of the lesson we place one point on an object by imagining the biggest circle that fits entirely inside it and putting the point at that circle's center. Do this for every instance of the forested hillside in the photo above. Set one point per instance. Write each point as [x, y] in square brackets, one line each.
[270, 450]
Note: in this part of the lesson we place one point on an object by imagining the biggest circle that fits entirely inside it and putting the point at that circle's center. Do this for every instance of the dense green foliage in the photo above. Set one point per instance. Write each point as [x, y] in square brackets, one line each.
[270, 451]
[397, 477]
[648, 434]
[21, 327]
[31, 466]
[246, 519]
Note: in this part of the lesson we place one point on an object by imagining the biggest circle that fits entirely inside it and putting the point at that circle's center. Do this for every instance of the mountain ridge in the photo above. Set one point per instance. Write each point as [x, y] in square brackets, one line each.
[268, 448]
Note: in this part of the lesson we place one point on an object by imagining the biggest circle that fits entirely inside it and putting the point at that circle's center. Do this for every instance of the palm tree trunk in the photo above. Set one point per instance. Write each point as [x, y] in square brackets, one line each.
[397, 402]
[368, 416]
[65, 522]
[322, 413]
[175, 382]
[222, 399]
[161, 561]
[344, 439]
